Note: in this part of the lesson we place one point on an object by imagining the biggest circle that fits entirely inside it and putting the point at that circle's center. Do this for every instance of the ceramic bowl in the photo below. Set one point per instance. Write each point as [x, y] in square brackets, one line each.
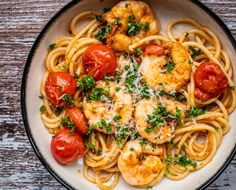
[35, 68]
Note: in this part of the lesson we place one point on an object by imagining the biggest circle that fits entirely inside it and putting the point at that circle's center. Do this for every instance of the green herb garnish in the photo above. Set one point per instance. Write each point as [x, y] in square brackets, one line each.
[185, 161]
[195, 112]
[67, 121]
[68, 99]
[170, 66]
[101, 35]
[195, 52]
[52, 46]
[117, 118]
[117, 22]
[87, 83]
[139, 51]
[99, 18]
[58, 110]
[109, 28]
[106, 9]
[232, 87]
[42, 109]
[168, 160]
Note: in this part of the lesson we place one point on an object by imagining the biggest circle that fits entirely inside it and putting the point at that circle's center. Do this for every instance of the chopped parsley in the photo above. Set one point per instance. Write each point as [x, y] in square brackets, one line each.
[160, 116]
[132, 77]
[99, 151]
[126, 55]
[121, 133]
[100, 94]
[66, 121]
[169, 142]
[185, 161]
[178, 116]
[90, 146]
[126, 5]
[133, 28]
[145, 27]
[190, 62]
[106, 9]
[145, 92]
[41, 97]
[65, 65]
[161, 93]
[86, 83]
[117, 118]
[131, 17]
[58, 110]
[117, 22]
[68, 99]
[126, 67]
[109, 28]
[52, 46]
[117, 89]
[143, 143]
[90, 130]
[232, 87]
[99, 18]
[101, 35]
[194, 52]
[139, 51]
[76, 76]
[195, 112]
[42, 109]
[169, 66]
[102, 123]
[168, 160]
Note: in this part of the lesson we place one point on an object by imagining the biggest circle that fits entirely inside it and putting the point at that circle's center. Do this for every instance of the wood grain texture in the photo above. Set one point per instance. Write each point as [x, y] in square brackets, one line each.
[20, 23]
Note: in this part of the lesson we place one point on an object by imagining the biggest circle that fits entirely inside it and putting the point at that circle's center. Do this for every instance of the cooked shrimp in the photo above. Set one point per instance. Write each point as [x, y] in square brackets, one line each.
[135, 170]
[165, 72]
[116, 102]
[163, 131]
[130, 21]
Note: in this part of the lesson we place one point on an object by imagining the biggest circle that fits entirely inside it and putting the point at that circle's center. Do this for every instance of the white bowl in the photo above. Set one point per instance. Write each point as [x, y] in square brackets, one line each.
[35, 68]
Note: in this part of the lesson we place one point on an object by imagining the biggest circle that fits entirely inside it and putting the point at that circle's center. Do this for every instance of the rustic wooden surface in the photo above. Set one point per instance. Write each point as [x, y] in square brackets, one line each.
[20, 23]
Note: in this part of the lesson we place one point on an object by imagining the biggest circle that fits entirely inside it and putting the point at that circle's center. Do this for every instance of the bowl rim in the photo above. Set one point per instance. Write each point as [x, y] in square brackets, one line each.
[27, 65]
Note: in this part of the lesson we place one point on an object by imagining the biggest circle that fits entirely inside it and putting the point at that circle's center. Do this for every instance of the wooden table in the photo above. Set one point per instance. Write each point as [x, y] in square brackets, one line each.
[20, 23]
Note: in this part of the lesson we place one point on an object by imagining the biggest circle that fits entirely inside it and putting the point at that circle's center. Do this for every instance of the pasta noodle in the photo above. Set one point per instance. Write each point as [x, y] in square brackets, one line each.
[196, 132]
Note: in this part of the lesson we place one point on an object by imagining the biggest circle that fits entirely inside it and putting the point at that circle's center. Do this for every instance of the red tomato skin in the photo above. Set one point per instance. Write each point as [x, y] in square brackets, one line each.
[154, 49]
[210, 81]
[99, 60]
[67, 148]
[57, 84]
[78, 119]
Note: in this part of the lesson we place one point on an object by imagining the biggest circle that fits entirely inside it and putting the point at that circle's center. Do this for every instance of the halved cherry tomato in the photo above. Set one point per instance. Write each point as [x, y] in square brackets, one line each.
[78, 119]
[59, 84]
[210, 81]
[154, 49]
[66, 147]
[99, 60]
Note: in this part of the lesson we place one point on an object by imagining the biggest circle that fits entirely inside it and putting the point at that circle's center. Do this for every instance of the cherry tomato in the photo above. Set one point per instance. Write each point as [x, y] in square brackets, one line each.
[59, 84]
[99, 60]
[154, 49]
[210, 81]
[66, 147]
[78, 119]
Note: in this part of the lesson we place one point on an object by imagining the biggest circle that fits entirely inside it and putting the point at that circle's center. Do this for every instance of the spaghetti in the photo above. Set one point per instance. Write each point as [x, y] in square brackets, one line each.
[133, 123]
